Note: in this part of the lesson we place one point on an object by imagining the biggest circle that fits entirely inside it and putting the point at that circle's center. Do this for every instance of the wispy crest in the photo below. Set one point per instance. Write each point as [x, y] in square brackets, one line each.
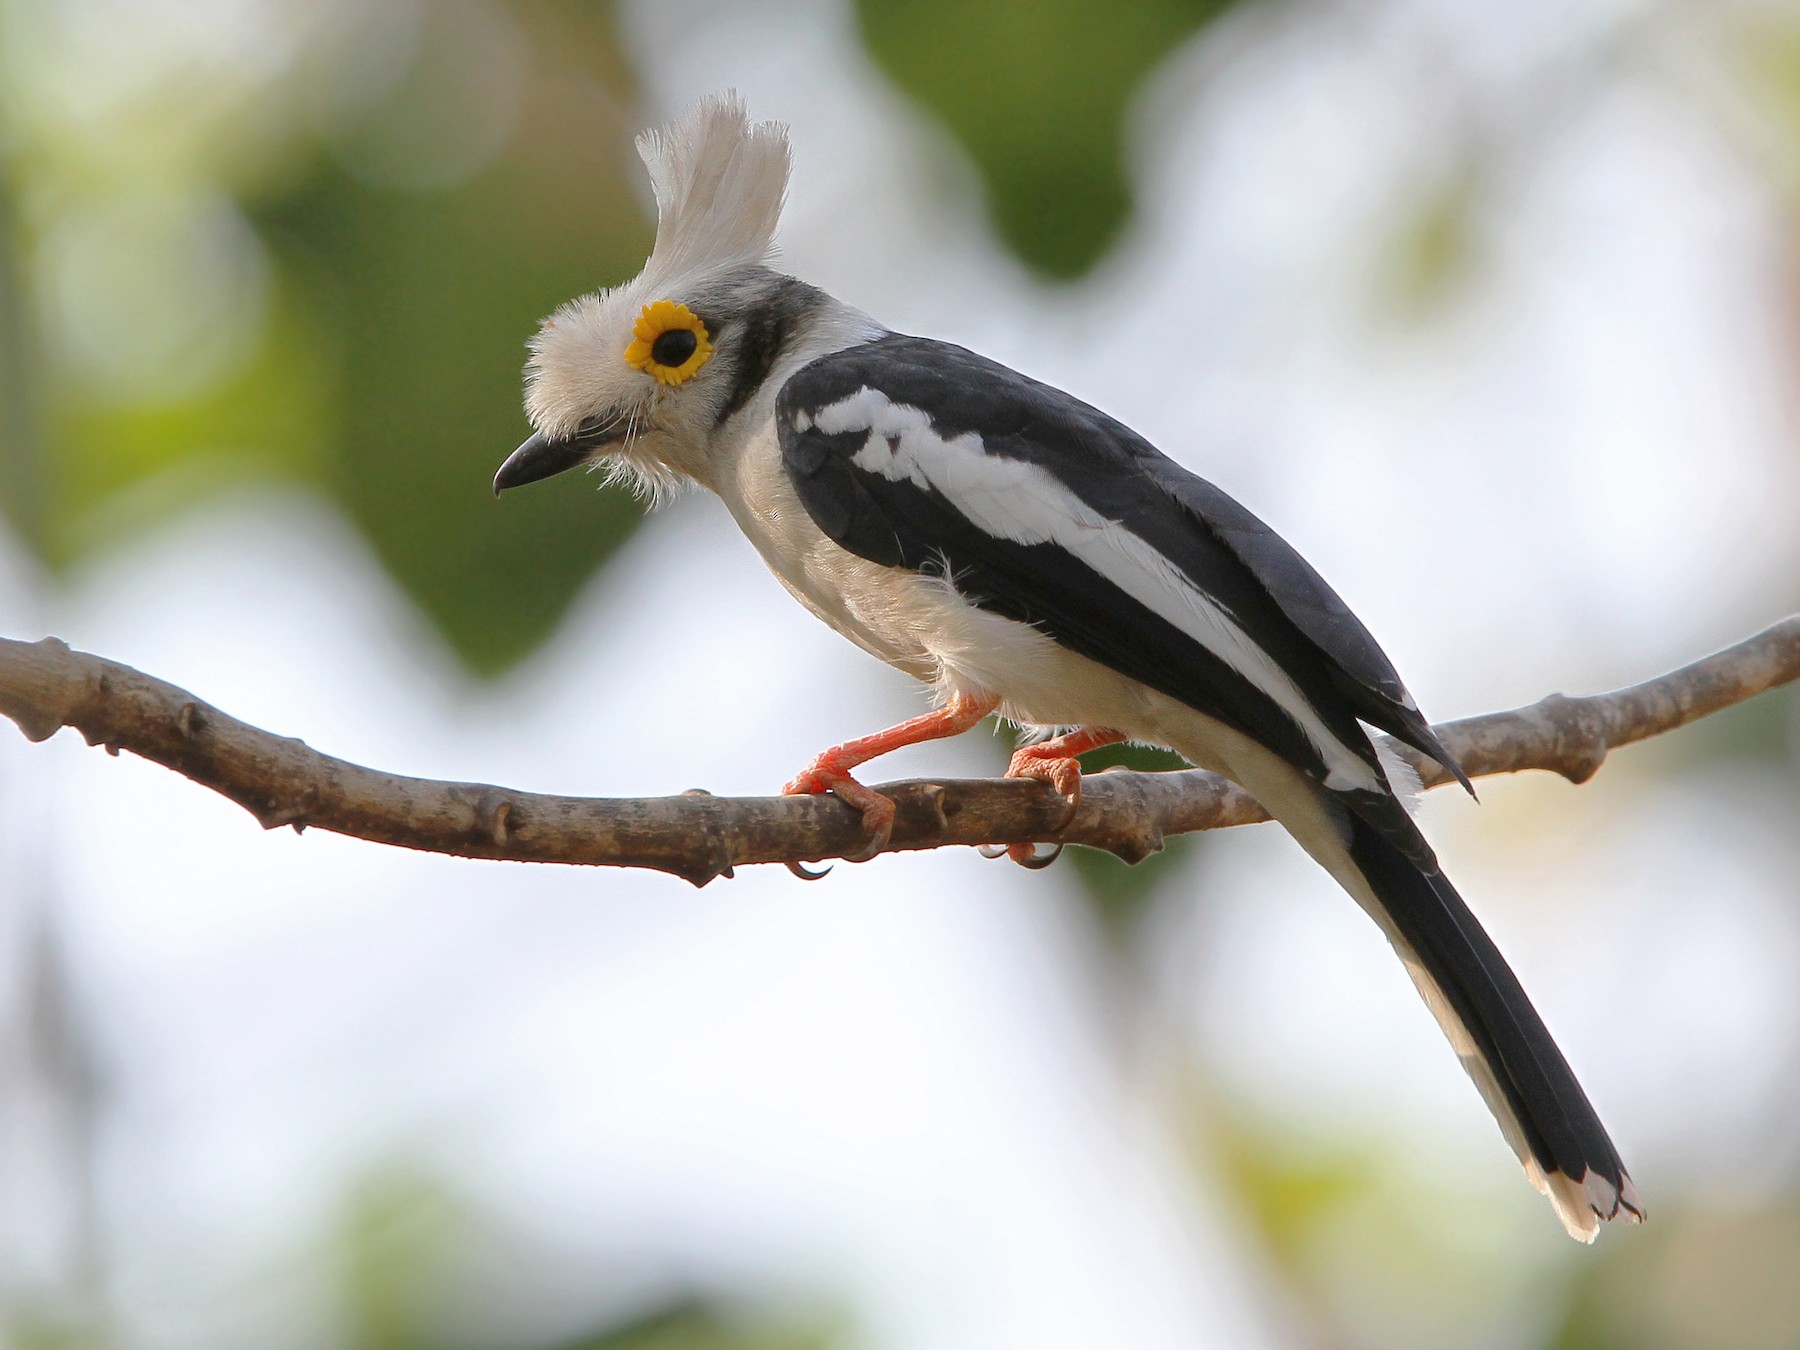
[720, 182]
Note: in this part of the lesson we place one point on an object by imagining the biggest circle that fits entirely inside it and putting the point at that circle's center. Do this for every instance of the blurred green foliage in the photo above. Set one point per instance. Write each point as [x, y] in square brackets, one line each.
[21, 482]
[1770, 42]
[401, 1234]
[1436, 249]
[328, 282]
[397, 1231]
[1698, 1278]
[697, 1326]
[428, 299]
[1762, 734]
[1117, 891]
[1037, 92]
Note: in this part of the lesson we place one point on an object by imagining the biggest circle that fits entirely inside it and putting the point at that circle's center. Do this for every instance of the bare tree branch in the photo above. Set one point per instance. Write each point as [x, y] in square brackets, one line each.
[45, 686]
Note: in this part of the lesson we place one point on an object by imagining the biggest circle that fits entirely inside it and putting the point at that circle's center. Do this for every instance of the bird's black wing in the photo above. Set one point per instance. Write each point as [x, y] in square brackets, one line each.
[1060, 466]
[1358, 668]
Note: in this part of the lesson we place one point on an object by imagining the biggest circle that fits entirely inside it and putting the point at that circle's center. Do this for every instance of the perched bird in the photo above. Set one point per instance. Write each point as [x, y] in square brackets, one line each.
[1023, 553]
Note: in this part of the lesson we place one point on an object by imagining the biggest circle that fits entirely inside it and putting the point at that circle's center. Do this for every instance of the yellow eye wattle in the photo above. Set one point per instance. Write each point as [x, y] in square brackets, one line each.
[668, 342]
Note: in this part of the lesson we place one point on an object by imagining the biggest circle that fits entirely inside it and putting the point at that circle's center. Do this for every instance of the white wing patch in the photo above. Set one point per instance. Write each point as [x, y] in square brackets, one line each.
[1015, 500]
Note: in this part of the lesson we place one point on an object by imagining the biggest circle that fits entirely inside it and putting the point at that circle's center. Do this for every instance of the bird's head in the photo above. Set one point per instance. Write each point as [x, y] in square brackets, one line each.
[642, 377]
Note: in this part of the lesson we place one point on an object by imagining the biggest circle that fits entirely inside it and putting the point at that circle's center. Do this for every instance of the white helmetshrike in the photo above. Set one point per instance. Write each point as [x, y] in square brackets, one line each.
[1024, 553]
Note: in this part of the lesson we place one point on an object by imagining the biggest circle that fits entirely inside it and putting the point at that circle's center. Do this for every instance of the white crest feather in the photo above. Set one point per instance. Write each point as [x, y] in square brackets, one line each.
[720, 182]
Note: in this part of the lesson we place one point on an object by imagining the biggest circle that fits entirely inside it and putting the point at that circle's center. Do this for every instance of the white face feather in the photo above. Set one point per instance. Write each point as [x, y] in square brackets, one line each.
[720, 182]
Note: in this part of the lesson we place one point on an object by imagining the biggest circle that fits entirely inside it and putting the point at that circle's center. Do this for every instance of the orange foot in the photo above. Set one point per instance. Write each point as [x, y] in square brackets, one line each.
[1053, 761]
[830, 772]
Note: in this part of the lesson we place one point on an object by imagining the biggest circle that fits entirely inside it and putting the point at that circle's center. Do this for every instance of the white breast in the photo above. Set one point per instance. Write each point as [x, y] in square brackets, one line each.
[878, 608]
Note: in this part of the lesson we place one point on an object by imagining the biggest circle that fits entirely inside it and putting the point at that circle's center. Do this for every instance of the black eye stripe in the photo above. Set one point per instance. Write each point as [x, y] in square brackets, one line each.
[673, 346]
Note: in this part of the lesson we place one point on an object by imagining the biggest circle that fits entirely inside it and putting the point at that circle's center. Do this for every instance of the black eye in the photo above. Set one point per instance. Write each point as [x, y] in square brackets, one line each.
[673, 346]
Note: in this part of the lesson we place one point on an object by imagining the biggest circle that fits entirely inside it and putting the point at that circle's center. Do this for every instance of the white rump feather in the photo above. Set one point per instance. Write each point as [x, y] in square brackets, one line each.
[720, 182]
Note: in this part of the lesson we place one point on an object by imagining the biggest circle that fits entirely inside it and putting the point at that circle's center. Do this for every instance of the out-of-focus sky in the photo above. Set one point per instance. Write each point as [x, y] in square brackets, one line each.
[1490, 311]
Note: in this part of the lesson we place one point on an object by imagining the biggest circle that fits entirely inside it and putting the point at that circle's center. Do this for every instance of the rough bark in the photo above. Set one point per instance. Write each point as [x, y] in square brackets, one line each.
[45, 686]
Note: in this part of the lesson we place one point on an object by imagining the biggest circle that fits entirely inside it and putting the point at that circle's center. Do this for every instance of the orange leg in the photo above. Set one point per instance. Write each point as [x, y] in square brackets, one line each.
[1054, 762]
[830, 772]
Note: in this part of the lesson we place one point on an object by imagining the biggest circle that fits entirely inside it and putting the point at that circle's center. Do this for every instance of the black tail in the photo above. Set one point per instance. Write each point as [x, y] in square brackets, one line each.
[1501, 1040]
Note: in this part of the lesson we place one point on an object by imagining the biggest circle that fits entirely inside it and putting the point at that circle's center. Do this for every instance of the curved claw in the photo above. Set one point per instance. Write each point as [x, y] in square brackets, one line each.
[800, 870]
[880, 826]
[1034, 859]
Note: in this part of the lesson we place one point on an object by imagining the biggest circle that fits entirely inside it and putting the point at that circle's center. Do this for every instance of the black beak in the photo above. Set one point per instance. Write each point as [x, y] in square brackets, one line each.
[541, 457]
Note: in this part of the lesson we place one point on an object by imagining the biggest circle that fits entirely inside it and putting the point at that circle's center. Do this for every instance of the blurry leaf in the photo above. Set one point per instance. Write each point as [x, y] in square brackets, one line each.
[1143, 758]
[1771, 64]
[434, 295]
[695, 1326]
[1762, 730]
[1036, 91]
[22, 448]
[27, 1329]
[1114, 889]
[402, 1234]
[1759, 733]
[1436, 249]
[1118, 891]
[398, 1230]
[1691, 1280]
[121, 467]
[1287, 1188]
[1370, 1248]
